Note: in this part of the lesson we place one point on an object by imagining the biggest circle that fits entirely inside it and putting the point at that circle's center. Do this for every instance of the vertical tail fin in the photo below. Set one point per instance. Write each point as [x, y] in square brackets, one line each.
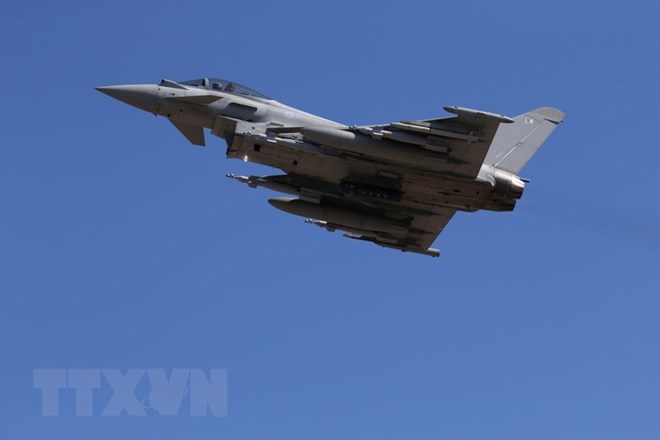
[514, 144]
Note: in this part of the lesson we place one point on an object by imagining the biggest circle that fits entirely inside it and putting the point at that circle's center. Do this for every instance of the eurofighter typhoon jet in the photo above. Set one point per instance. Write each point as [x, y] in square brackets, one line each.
[396, 184]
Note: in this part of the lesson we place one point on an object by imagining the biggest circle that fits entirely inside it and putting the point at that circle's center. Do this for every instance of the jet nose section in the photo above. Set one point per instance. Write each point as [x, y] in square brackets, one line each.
[142, 96]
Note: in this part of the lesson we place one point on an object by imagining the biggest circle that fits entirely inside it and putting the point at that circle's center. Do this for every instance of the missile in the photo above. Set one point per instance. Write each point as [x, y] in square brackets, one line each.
[425, 129]
[356, 234]
[339, 216]
[384, 149]
[417, 250]
[255, 181]
[436, 145]
[321, 224]
[331, 227]
[242, 179]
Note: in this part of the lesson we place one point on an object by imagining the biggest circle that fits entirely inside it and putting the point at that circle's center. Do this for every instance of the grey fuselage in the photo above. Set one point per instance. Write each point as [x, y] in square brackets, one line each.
[395, 184]
[317, 169]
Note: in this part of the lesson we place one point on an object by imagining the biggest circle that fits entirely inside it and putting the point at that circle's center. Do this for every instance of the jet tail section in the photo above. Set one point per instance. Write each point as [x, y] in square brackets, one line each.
[515, 144]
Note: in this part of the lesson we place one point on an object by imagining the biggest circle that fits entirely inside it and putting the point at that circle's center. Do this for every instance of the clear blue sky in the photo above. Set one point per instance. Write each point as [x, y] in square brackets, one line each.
[122, 246]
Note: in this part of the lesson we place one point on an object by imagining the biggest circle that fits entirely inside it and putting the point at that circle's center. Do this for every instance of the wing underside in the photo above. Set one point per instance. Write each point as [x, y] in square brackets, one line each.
[451, 146]
[455, 145]
[387, 225]
[396, 185]
[418, 238]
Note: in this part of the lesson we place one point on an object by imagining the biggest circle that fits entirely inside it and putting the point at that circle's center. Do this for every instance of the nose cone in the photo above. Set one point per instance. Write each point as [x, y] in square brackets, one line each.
[142, 96]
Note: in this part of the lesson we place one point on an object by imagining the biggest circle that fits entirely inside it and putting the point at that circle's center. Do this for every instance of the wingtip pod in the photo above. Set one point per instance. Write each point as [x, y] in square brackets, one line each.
[550, 114]
[466, 113]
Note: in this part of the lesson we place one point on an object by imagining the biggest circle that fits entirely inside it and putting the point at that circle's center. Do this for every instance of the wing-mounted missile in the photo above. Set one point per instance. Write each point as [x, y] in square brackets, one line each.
[243, 179]
[394, 245]
[356, 142]
[332, 227]
[428, 143]
[376, 238]
[384, 241]
[340, 216]
[266, 182]
[307, 190]
[321, 224]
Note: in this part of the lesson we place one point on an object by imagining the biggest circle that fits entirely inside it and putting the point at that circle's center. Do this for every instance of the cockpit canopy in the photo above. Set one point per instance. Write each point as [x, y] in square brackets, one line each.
[222, 85]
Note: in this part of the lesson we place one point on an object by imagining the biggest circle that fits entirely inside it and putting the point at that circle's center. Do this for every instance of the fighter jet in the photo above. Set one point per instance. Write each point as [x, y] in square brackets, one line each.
[396, 184]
